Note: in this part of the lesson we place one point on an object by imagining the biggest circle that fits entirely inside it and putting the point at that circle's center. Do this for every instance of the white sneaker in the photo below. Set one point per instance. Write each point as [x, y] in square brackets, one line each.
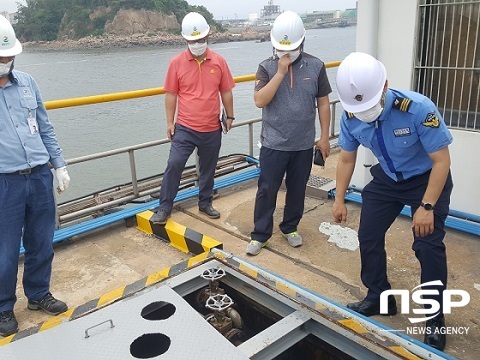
[294, 239]
[254, 247]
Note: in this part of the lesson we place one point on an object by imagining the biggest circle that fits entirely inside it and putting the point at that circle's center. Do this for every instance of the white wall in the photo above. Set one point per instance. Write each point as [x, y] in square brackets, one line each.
[397, 40]
[464, 153]
[387, 30]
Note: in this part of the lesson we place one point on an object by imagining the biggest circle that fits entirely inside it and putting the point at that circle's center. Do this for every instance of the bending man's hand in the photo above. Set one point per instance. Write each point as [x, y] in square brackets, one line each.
[423, 222]
[63, 179]
[339, 211]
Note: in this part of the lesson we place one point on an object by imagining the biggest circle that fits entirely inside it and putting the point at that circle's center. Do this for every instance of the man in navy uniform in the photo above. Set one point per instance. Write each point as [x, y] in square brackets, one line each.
[408, 136]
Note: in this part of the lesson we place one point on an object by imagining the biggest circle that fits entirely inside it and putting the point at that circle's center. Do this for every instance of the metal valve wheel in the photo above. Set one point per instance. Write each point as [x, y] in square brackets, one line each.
[219, 302]
[213, 274]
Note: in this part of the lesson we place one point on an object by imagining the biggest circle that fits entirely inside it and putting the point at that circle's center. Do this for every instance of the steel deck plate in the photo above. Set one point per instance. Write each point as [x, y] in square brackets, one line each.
[188, 334]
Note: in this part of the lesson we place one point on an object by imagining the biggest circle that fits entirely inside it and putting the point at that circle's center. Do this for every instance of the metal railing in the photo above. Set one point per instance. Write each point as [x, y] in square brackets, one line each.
[100, 204]
[447, 61]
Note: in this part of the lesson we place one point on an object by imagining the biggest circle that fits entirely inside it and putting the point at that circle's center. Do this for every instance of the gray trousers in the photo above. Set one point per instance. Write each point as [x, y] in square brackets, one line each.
[184, 142]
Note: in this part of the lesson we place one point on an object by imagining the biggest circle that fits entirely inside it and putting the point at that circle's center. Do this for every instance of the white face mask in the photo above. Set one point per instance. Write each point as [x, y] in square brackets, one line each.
[294, 54]
[6, 69]
[369, 115]
[198, 49]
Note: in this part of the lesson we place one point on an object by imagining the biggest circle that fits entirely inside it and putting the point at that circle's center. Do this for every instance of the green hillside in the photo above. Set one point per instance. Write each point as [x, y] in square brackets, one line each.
[41, 20]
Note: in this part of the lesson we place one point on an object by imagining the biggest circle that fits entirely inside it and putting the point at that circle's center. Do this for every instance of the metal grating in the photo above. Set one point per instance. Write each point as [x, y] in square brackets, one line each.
[317, 187]
[447, 61]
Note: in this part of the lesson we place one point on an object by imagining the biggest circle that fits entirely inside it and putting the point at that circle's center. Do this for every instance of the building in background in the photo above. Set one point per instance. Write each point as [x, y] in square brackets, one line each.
[316, 19]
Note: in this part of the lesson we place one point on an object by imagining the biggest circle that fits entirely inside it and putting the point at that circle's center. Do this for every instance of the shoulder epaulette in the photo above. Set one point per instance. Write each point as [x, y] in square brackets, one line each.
[349, 114]
[402, 104]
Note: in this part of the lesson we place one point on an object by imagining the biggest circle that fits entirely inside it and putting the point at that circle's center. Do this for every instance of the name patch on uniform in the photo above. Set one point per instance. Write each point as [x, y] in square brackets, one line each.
[431, 120]
[402, 132]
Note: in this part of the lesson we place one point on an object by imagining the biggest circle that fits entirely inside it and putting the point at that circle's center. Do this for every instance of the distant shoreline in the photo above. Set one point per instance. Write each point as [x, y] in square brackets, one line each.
[137, 40]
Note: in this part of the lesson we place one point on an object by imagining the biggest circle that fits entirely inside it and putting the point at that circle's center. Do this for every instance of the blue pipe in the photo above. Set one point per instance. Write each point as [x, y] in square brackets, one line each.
[464, 215]
[455, 213]
[89, 225]
[464, 225]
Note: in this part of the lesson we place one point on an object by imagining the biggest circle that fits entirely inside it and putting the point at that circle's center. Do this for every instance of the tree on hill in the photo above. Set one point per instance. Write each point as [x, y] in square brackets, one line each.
[41, 20]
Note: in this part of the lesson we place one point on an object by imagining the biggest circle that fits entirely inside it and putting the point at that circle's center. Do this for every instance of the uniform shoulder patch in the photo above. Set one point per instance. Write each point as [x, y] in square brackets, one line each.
[431, 120]
[402, 104]
[349, 114]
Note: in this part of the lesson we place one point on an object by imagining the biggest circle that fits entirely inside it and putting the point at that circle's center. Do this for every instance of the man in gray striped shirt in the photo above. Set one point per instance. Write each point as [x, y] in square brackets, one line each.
[291, 87]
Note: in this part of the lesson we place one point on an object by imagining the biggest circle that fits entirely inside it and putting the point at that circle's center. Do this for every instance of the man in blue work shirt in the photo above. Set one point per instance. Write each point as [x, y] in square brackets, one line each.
[408, 136]
[27, 206]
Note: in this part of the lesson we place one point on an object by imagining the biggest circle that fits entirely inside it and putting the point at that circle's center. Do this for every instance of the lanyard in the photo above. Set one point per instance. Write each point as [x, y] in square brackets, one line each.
[383, 150]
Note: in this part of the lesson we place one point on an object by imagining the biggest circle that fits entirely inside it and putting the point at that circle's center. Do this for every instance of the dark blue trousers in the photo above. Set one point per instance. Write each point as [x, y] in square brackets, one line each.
[27, 210]
[184, 142]
[382, 201]
[274, 165]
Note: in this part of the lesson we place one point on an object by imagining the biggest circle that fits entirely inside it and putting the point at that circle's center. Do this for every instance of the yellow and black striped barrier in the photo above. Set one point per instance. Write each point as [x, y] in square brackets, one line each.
[178, 236]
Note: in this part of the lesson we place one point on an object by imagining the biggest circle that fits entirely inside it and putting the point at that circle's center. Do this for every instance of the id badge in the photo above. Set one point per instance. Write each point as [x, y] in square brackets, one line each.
[32, 124]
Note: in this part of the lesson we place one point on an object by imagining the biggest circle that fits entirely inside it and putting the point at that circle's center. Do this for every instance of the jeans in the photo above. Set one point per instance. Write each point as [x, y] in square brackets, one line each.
[27, 211]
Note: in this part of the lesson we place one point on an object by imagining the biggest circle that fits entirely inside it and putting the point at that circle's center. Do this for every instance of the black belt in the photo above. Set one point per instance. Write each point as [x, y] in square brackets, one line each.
[25, 171]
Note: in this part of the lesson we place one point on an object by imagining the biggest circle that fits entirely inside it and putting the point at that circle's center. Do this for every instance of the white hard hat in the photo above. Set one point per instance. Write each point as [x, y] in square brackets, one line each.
[287, 32]
[360, 82]
[9, 45]
[194, 26]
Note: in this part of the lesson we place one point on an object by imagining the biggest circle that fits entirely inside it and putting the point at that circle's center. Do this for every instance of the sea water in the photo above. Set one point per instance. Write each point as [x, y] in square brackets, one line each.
[85, 130]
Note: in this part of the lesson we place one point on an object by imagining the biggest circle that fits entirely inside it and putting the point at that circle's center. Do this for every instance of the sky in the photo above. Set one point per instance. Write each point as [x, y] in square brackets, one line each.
[240, 8]
[10, 5]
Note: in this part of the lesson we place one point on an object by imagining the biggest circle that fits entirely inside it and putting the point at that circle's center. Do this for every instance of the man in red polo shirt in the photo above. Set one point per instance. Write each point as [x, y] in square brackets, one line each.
[197, 79]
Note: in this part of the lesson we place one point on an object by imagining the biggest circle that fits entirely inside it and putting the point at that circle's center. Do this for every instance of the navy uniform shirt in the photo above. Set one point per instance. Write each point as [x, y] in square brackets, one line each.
[408, 130]
[25, 143]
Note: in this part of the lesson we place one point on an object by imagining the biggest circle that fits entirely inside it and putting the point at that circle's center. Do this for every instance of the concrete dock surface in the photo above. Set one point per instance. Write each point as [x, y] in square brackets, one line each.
[88, 266]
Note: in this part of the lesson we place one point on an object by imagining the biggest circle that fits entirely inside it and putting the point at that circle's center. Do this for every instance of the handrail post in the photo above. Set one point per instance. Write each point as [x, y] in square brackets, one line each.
[133, 172]
[332, 119]
[250, 139]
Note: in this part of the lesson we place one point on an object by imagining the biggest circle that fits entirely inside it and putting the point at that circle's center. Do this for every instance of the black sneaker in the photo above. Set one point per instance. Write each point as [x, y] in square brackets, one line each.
[8, 323]
[435, 334]
[160, 217]
[210, 212]
[48, 304]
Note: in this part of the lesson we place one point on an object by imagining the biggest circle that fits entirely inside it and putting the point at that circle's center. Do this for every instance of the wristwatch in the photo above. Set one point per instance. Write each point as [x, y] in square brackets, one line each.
[427, 206]
[230, 117]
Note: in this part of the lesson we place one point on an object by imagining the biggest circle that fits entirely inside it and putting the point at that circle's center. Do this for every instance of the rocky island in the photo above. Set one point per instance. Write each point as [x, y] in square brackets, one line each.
[133, 28]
